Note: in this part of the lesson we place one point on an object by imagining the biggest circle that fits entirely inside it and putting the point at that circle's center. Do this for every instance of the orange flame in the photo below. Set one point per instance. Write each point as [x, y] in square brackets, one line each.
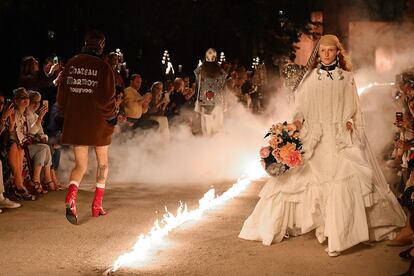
[171, 221]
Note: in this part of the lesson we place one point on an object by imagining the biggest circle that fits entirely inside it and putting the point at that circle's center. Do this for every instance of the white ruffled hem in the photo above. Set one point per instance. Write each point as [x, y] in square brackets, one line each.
[338, 210]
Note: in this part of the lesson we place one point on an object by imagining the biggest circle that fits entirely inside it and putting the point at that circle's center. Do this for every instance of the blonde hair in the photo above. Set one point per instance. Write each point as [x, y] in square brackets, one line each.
[155, 84]
[33, 95]
[344, 61]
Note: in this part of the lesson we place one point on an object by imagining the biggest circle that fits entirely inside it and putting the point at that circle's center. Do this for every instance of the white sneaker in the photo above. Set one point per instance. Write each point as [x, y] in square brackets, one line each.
[7, 203]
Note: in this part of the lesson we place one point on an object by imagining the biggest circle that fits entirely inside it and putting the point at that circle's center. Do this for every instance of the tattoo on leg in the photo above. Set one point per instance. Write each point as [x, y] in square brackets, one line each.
[101, 173]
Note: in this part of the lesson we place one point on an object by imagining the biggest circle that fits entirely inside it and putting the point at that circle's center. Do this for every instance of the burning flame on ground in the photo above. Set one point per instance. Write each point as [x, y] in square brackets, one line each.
[171, 221]
[374, 84]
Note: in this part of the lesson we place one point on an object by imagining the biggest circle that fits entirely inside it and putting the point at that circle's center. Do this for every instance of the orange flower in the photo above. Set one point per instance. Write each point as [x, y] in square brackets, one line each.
[285, 152]
[273, 142]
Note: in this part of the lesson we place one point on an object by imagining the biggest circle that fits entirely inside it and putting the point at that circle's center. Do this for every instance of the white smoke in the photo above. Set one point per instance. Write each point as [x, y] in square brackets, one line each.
[148, 157]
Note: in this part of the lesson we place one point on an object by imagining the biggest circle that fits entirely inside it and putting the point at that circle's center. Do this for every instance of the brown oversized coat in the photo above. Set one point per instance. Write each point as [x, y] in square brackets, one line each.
[86, 98]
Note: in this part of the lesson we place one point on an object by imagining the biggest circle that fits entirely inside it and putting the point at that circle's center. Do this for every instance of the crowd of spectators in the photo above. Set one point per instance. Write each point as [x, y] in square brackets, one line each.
[402, 158]
[31, 123]
[30, 127]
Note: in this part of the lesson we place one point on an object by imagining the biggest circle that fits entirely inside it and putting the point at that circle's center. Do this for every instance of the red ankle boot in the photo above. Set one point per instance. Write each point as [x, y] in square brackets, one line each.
[71, 213]
[97, 209]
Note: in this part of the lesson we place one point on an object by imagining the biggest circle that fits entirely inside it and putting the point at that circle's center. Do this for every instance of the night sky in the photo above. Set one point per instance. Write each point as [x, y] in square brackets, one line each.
[144, 29]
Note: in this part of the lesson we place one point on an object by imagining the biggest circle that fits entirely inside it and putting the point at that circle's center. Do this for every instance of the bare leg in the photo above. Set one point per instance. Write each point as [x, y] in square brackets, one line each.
[55, 179]
[15, 159]
[102, 159]
[81, 163]
[47, 173]
[36, 173]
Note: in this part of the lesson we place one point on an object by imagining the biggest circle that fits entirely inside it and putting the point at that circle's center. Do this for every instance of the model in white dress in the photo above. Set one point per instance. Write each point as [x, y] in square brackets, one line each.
[339, 191]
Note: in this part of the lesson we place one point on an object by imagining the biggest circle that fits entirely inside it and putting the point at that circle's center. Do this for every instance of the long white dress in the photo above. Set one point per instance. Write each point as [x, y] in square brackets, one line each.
[340, 190]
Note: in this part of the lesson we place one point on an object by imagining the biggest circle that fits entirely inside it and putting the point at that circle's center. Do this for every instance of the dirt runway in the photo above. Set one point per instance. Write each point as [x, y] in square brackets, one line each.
[36, 239]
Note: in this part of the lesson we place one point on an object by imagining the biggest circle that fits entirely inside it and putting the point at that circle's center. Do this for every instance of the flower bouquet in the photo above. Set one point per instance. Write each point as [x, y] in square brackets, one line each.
[284, 151]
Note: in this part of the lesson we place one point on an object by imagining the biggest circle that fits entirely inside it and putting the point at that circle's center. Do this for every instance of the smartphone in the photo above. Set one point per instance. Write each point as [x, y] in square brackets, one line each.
[55, 60]
[46, 103]
[399, 116]
[8, 103]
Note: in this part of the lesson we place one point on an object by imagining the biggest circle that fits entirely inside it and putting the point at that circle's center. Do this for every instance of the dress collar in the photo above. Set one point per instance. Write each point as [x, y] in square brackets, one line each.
[329, 67]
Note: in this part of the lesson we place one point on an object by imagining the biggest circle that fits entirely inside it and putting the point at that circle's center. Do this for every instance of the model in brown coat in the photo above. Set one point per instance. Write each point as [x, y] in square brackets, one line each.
[86, 96]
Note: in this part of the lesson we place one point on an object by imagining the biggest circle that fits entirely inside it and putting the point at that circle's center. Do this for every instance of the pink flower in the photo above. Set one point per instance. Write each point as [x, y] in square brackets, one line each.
[264, 152]
[273, 142]
[295, 159]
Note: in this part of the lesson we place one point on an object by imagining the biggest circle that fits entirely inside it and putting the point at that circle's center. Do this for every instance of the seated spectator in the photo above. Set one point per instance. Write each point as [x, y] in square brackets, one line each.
[157, 106]
[39, 150]
[54, 131]
[18, 138]
[177, 98]
[158, 101]
[5, 202]
[5, 105]
[169, 89]
[136, 105]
